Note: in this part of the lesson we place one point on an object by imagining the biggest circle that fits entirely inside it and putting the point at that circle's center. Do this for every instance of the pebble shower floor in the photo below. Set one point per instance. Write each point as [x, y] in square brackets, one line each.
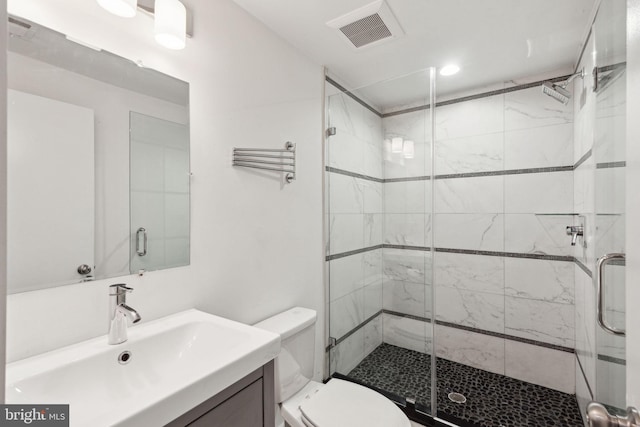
[492, 400]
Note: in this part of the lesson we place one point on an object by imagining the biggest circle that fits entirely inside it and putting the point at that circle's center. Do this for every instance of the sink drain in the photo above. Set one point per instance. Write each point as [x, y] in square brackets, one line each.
[124, 357]
[457, 397]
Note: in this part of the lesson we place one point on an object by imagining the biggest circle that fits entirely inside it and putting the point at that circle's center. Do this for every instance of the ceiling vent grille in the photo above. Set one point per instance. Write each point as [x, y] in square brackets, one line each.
[368, 26]
[366, 30]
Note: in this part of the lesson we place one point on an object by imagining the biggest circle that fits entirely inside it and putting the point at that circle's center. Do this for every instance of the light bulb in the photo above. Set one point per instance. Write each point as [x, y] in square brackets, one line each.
[408, 150]
[396, 145]
[449, 70]
[124, 8]
[171, 24]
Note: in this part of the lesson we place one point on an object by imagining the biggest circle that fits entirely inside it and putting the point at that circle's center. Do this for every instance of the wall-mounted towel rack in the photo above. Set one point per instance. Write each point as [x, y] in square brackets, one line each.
[285, 159]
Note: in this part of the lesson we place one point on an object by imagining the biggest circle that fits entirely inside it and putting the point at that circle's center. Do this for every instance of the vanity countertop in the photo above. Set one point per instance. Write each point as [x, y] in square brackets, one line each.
[174, 364]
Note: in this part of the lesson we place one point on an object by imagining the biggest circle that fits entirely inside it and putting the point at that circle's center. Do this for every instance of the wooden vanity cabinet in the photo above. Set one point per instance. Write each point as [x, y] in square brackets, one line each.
[247, 403]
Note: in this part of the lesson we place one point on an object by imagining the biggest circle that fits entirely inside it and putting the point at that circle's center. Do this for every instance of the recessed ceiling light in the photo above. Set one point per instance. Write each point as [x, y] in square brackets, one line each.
[449, 70]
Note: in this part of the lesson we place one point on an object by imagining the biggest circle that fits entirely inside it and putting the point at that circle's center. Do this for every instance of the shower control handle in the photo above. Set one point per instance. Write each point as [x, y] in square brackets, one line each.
[574, 231]
[598, 416]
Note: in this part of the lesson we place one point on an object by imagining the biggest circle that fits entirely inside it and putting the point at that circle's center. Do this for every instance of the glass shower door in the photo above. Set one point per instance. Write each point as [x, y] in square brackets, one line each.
[609, 204]
[378, 255]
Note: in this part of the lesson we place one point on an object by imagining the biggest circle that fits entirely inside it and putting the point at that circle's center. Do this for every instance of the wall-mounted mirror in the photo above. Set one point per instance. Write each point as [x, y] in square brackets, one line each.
[98, 169]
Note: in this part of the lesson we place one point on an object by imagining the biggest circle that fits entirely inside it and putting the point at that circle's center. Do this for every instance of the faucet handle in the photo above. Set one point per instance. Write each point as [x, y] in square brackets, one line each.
[119, 289]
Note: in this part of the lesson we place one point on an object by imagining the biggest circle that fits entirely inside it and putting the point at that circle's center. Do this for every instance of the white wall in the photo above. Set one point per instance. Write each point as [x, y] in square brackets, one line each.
[256, 244]
[50, 198]
[3, 187]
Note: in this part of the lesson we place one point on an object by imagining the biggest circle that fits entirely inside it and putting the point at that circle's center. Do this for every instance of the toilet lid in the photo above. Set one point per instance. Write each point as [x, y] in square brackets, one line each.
[344, 404]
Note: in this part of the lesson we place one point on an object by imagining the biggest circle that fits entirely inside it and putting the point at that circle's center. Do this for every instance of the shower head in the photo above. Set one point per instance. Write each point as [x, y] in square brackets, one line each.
[556, 92]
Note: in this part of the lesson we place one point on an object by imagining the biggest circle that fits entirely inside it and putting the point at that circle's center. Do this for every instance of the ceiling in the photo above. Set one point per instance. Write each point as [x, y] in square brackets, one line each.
[492, 41]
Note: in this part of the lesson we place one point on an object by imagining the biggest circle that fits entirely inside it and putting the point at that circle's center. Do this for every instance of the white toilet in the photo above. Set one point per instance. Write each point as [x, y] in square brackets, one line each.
[306, 403]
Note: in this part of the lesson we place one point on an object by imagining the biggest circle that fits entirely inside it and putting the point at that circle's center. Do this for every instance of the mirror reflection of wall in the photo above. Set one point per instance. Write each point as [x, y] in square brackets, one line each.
[51, 190]
[45, 64]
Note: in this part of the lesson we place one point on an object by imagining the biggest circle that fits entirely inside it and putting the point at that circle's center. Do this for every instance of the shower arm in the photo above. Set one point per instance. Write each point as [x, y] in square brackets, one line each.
[572, 77]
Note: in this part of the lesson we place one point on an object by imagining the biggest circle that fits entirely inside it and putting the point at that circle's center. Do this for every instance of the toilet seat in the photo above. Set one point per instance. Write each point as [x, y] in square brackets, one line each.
[345, 404]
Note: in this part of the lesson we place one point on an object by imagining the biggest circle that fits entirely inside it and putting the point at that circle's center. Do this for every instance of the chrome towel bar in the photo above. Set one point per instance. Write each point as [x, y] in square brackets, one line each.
[252, 158]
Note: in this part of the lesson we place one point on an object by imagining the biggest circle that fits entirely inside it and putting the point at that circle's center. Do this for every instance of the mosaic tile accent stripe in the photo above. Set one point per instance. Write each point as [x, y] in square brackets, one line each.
[546, 257]
[352, 331]
[492, 400]
[566, 258]
[443, 103]
[456, 326]
[506, 172]
[352, 95]
[408, 179]
[477, 96]
[411, 248]
[408, 316]
[483, 332]
[611, 359]
[353, 174]
[583, 159]
[353, 252]
[607, 165]
[455, 175]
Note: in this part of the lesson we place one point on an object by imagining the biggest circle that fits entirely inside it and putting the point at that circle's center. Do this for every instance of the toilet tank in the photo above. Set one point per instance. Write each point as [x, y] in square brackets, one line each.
[294, 365]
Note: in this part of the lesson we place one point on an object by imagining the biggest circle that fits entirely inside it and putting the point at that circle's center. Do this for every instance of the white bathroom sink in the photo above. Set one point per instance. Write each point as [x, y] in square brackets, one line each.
[176, 363]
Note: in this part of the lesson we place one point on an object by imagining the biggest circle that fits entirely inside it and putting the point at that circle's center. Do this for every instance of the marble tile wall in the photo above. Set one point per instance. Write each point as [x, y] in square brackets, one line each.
[494, 209]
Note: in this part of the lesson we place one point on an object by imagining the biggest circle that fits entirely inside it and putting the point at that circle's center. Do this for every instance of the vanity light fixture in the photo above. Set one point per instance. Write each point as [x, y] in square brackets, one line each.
[124, 8]
[171, 24]
[170, 18]
[449, 70]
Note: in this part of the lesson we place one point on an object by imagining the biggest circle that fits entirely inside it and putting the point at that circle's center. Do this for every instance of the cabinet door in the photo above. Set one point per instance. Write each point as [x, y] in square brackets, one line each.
[243, 409]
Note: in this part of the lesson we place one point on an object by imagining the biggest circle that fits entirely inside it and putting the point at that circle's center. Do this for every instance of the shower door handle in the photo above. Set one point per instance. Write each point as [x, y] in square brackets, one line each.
[598, 416]
[602, 321]
[143, 232]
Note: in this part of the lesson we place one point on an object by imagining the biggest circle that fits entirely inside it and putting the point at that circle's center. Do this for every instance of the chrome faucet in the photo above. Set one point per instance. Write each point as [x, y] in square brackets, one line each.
[120, 313]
